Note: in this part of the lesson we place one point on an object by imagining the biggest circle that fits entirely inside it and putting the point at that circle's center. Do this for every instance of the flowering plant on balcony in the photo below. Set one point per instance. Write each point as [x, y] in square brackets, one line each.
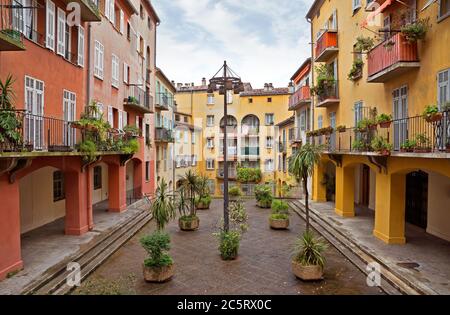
[326, 131]
[364, 44]
[381, 145]
[131, 131]
[431, 114]
[384, 120]
[249, 175]
[408, 146]
[417, 30]
[341, 128]
[366, 124]
[360, 145]
[356, 70]
[325, 80]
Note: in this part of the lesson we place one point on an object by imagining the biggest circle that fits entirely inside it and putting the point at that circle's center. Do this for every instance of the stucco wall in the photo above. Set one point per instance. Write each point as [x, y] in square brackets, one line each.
[438, 209]
[102, 193]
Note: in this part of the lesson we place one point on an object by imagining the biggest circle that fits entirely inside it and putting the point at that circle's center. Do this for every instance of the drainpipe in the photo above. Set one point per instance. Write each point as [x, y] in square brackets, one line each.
[312, 72]
[88, 81]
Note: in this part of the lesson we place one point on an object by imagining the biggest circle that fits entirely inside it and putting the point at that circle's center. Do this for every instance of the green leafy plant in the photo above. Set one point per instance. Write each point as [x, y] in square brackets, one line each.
[325, 79]
[280, 210]
[157, 245]
[235, 192]
[263, 195]
[132, 99]
[365, 124]
[408, 145]
[423, 142]
[431, 113]
[417, 30]
[89, 148]
[381, 145]
[130, 147]
[384, 118]
[204, 197]
[364, 44]
[309, 250]
[131, 130]
[163, 207]
[189, 183]
[360, 145]
[10, 125]
[356, 70]
[249, 175]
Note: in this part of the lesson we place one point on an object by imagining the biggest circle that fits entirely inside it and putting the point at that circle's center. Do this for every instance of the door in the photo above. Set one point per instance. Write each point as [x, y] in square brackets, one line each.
[417, 199]
[333, 135]
[69, 109]
[34, 104]
[400, 109]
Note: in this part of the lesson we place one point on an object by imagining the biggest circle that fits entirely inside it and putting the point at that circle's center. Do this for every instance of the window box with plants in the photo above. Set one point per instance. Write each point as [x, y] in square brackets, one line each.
[384, 120]
[356, 71]
[203, 200]
[159, 266]
[263, 195]
[279, 219]
[188, 221]
[423, 144]
[308, 263]
[366, 125]
[131, 131]
[341, 129]
[380, 145]
[326, 131]
[408, 146]
[432, 114]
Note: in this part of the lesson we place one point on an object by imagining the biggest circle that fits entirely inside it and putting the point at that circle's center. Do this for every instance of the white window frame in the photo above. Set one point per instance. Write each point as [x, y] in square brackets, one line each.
[210, 121]
[124, 119]
[115, 71]
[229, 97]
[269, 165]
[356, 4]
[122, 22]
[269, 122]
[443, 85]
[50, 26]
[69, 114]
[210, 164]
[80, 59]
[99, 60]
[110, 116]
[125, 72]
[210, 99]
[120, 120]
[210, 143]
[61, 33]
[34, 126]
[269, 142]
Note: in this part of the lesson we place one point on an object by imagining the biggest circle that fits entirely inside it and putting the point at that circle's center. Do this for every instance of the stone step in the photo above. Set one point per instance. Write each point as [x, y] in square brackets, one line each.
[359, 256]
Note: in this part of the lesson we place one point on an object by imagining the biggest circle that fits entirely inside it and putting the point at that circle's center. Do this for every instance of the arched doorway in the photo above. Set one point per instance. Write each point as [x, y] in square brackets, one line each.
[416, 199]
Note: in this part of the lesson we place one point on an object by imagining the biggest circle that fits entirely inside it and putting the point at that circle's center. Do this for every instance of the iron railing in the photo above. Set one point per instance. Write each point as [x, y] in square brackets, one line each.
[330, 91]
[163, 101]
[138, 96]
[409, 135]
[164, 135]
[134, 195]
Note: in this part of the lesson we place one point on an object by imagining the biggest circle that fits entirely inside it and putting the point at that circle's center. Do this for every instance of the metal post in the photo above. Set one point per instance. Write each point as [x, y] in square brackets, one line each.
[225, 153]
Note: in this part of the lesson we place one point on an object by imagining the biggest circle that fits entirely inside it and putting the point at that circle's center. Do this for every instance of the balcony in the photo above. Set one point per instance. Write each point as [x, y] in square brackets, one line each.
[139, 100]
[392, 58]
[301, 97]
[326, 46]
[232, 173]
[89, 10]
[329, 95]
[164, 135]
[10, 37]
[163, 101]
[249, 152]
[412, 136]
[232, 154]
[148, 73]
[296, 137]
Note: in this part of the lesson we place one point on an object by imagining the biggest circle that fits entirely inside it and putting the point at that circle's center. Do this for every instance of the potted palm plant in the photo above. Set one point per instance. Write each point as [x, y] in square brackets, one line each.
[279, 219]
[308, 263]
[159, 267]
[263, 195]
[189, 221]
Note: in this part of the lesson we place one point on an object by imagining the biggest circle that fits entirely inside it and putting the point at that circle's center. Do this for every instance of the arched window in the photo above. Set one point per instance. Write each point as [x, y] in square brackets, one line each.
[250, 125]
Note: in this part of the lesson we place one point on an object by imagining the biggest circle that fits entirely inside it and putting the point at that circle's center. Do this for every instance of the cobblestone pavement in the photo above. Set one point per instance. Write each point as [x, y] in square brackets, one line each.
[263, 266]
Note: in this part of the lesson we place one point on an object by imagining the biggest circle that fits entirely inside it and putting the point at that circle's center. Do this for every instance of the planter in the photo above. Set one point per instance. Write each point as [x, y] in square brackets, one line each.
[407, 150]
[158, 274]
[422, 150]
[385, 153]
[447, 149]
[76, 125]
[264, 205]
[307, 273]
[191, 225]
[281, 224]
[373, 127]
[433, 118]
[386, 124]
[202, 206]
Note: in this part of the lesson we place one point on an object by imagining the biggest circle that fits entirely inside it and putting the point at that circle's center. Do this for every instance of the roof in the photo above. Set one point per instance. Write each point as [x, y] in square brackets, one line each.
[191, 127]
[301, 68]
[315, 6]
[204, 88]
[266, 92]
[181, 113]
[287, 122]
[162, 76]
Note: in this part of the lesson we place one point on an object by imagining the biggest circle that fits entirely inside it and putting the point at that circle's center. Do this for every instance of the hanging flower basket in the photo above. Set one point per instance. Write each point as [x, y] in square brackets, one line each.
[386, 124]
[431, 118]
[373, 127]
[76, 125]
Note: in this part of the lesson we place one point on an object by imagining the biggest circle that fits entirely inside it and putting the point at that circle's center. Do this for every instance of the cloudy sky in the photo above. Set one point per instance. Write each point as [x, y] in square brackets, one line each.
[262, 40]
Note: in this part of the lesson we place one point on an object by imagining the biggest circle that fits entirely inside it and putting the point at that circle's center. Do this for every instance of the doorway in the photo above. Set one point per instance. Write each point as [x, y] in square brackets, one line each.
[417, 199]
[365, 186]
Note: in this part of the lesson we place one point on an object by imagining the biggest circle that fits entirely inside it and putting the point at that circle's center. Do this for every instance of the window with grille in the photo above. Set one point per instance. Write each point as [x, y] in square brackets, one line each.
[58, 186]
[97, 177]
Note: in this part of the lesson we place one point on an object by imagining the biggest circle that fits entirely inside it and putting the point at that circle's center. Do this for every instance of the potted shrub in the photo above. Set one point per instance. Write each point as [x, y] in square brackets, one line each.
[341, 128]
[131, 131]
[308, 263]
[381, 145]
[229, 241]
[423, 144]
[359, 145]
[234, 193]
[365, 124]
[417, 30]
[203, 201]
[279, 219]
[188, 220]
[431, 114]
[408, 146]
[159, 267]
[263, 195]
[384, 120]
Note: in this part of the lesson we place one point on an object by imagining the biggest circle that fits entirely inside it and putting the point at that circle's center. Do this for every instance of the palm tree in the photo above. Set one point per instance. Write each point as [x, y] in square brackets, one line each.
[190, 186]
[301, 165]
[7, 94]
[163, 208]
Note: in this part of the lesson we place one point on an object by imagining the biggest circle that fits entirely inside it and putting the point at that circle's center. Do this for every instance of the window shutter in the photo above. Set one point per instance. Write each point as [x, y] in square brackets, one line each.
[125, 73]
[107, 8]
[61, 43]
[50, 26]
[80, 46]
[122, 22]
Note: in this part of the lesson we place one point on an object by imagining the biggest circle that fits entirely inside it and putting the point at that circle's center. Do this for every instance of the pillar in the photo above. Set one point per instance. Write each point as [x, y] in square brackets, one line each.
[89, 191]
[319, 190]
[77, 217]
[345, 191]
[390, 208]
[117, 195]
[10, 255]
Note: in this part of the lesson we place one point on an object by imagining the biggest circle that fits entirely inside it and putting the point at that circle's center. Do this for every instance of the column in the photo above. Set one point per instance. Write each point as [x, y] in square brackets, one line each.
[10, 255]
[76, 221]
[319, 190]
[345, 191]
[390, 208]
[117, 188]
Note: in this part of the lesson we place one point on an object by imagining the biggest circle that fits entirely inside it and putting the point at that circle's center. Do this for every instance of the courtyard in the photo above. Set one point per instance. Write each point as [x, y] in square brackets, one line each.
[263, 265]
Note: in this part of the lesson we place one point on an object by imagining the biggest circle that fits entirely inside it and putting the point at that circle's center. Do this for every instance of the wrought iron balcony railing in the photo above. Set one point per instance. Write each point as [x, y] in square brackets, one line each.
[10, 34]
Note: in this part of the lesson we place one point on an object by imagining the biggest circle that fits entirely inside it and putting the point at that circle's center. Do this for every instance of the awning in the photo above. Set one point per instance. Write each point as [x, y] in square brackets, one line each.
[373, 14]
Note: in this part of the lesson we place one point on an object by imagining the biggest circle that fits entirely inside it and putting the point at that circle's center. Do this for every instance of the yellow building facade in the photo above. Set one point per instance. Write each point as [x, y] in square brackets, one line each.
[408, 181]
[251, 126]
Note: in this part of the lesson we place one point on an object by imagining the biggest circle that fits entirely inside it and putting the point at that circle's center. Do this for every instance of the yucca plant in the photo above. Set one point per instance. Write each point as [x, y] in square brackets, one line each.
[163, 208]
[309, 250]
[189, 183]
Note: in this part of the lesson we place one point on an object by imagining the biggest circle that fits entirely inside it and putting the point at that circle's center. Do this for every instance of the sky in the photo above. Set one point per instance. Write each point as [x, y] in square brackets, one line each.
[263, 41]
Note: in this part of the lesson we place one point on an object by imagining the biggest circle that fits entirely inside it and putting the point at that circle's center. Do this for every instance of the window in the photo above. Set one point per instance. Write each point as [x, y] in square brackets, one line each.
[80, 46]
[97, 177]
[147, 171]
[58, 186]
[34, 104]
[269, 100]
[128, 31]
[121, 22]
[358, 112]
[194, 137]
[209, 164]
[443, 87]
[210, 121]
[185, 119]
[50, 26]
[356, 5]
[269, 142]
[269, 119]
[210, 143]
[444, 8]
[149, 23]
[69, 110]
[110, 116]
[109, 10]
[211, 185]
[229, 97]
[98, 60]
[320, 122]
[250, 100]
[186, 137]
[115, 71]
[120, 120]
[210, 99]
[126, 73]
[147, 132]
[61, 44]
[124, 119]
[303, 120]
[268, 165]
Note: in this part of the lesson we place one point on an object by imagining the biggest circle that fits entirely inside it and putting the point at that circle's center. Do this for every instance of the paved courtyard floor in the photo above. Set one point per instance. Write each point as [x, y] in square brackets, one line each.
[263, 266]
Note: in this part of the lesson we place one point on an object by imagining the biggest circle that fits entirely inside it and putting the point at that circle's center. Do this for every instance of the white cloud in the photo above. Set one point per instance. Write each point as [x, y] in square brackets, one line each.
[263, 41]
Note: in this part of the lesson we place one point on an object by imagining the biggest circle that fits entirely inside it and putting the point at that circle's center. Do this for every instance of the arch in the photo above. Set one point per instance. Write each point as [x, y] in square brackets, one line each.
[404, 166]
[231, 122]
[250, 124]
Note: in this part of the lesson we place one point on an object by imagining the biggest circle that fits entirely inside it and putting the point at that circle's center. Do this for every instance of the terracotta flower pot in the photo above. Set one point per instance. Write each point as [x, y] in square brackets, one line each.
[189, 225]
[385, 124]
[373, 127]
[433, 118]
[158, 274]
[422, 150]
[307, 273]
[202, 206]
[263, 205]
[280, 224]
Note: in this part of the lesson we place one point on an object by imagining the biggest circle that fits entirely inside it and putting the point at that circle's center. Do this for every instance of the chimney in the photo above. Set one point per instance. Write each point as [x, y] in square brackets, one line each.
[204, 82]
[266, 87]
[291, 87]
[270, 86]
[192, 84]
[179, 85]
